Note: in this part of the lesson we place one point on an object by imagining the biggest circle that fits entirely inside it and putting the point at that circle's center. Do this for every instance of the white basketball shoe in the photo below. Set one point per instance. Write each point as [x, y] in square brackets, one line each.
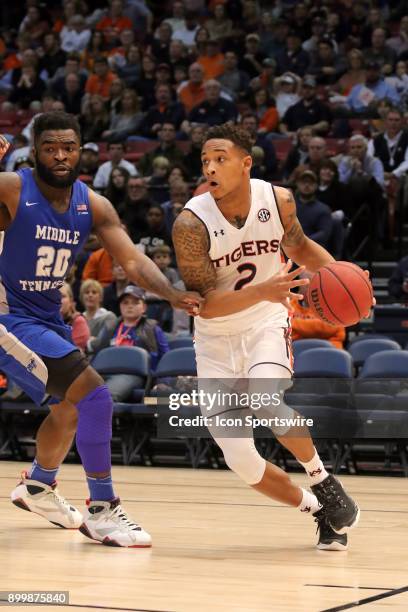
[45, 500]
[107, 522]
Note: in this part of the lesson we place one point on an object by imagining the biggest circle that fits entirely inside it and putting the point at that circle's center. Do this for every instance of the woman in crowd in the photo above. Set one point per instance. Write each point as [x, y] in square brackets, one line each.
[100, 321]
[80, 329]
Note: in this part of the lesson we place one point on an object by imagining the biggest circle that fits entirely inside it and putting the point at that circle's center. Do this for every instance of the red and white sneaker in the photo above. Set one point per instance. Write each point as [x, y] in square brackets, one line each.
[107, 522]
[45, 500]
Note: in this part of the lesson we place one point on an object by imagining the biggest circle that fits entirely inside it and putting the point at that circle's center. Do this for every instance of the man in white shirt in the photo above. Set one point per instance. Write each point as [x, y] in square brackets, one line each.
[391, 147]
[116, 151]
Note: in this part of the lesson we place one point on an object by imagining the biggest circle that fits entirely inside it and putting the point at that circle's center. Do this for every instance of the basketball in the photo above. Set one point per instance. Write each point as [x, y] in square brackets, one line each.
[340, 293]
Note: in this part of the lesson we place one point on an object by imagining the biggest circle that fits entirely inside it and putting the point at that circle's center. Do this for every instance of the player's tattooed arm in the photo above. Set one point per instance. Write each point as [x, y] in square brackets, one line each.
[191, 243]
[295, 244]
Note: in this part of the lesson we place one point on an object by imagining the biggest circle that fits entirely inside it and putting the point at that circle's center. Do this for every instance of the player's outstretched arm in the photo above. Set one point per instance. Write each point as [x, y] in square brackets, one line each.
[198, 273]
[296, 245]
[9, 190]
[139, 268]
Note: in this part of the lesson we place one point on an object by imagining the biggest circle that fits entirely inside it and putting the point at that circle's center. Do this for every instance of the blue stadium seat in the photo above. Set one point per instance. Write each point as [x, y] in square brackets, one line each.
[386, 364]
[368, 336]
[360, 351]
[309, 343]
[182, 342]
[324, 363]
[177, 362]
[122, 360]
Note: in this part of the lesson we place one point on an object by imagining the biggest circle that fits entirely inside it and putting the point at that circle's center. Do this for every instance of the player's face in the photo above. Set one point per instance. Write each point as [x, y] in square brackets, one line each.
[57, 156]
[225, 166]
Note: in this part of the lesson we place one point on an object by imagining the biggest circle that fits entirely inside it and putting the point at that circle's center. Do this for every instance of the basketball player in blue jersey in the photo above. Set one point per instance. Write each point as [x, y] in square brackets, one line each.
[228, 244]
[46, 216]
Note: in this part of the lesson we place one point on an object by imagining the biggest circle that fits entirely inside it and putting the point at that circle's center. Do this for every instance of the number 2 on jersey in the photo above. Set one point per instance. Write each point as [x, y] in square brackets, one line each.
[245, 267]
[48, 257]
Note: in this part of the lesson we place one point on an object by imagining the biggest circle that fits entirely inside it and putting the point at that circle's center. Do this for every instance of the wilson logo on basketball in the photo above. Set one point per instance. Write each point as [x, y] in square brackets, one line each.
[264, 215]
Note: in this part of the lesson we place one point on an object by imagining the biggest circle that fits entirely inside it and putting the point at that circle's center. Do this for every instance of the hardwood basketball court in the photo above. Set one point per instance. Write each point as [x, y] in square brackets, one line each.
[217, 546]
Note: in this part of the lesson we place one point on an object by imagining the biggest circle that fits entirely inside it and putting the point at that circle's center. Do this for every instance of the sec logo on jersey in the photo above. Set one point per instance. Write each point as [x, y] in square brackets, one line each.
[264, 215]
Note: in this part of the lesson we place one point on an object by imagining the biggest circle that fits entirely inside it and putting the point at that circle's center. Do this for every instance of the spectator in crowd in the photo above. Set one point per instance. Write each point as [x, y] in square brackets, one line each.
[160, 43]
[127, 120]
[113, 291]
[34, 25]
[363, 97]
[399, 80]
[156, 233]
[187, 32]
[80, 330]
[327, 65]
[146, 85]
[98, 267]
[318, 30]
[219, 25]
[263, 105]
[164, 111]
[212, 60]
[399, 43]
[286, 92]
[316, 154]
[354, 75]
[191, 92]
[158, 181]
[391, 146]
[234, 82]
[89, 162]
[75, 35]
[266, 33]
[358, 163]
[314, 216]
[250, 123]
[308, 111]
[52, 56]
[375, 20]
[298, 154]
[72, 93]
[101, 322]
[192, 159]
[117, 187]
[21, 148]
[167, 148]
[137, 204]
[94, 120]
[179, 192]
[398, 282]
[213, 110]
[251, 62]
[134, 329]
[379, 52]
[305, 324]
[157, 308]
[331, 191]
[29, 88]
[116, 152]
[176, 20]
[115, 21]
[72, 66]
[100, 80]
[178, 57]
[293, 58]
[129, 71]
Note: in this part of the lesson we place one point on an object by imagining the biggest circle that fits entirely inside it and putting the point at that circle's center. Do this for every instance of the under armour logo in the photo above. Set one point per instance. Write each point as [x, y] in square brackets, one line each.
[221, 232]
[307, 509]
[315, 472]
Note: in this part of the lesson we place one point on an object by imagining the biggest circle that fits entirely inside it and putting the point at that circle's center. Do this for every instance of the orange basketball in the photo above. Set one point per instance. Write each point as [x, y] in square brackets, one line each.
[340, 293]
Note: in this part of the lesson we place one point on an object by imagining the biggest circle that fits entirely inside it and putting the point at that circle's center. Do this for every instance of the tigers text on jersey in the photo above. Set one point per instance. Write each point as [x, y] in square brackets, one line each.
[39, 247]
[243, 257]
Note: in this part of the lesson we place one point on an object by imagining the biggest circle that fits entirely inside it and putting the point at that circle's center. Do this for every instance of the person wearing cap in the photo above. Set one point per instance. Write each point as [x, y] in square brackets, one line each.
[363, 98]
[89, 162]
[251, 62]
[293, 58]
[134, 329]
[314, 216]
[308, 111]
[286, 88]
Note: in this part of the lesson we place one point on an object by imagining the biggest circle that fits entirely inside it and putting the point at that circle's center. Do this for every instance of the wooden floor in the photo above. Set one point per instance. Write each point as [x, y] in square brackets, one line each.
[217, 546]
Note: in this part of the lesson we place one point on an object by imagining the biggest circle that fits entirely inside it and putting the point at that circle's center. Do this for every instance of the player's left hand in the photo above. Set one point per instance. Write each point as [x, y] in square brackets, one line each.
[374, 302]
[190, 301]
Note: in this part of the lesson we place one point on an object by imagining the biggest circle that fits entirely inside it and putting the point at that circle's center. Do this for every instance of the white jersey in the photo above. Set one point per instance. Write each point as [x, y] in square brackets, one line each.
[243, 257]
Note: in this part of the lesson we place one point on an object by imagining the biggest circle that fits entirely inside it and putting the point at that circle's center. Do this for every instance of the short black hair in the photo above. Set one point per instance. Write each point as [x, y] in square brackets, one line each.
[235, 133]
[55, 120]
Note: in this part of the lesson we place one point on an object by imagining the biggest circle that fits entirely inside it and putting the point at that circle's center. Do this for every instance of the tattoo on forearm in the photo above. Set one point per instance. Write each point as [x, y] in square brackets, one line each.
[191, 244]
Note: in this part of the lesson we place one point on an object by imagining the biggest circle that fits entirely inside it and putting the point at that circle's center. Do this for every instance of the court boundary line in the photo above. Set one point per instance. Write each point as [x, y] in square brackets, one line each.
[367, 600]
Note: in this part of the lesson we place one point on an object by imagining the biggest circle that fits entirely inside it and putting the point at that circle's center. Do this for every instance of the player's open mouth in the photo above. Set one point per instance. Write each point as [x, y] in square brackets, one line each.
[61, 170]
[213, 184]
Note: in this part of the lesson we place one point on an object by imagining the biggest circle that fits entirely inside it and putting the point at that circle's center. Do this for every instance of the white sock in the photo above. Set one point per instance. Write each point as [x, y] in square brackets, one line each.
[315, 469]
[309, 502]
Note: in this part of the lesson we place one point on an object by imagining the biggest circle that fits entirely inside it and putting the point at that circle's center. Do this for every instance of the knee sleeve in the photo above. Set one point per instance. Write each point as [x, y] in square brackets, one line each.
[242, 458]
[95, 429]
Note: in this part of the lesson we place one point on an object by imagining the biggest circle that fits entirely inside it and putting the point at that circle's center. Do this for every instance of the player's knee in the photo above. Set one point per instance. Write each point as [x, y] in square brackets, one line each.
[242, 458]
[95, 416]
[65, 415]
[88, 380]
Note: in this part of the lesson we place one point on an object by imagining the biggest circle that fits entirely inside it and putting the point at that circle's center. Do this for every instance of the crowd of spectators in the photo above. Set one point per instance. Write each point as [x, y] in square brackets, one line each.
[322, 87]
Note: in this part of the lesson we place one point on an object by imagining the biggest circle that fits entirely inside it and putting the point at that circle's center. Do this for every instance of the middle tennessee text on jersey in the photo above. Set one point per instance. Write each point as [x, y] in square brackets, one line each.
[38, 249]
[243, 256]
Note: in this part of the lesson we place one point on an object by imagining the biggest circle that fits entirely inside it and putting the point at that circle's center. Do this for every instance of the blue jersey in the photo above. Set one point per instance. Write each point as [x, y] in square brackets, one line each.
[38, 249]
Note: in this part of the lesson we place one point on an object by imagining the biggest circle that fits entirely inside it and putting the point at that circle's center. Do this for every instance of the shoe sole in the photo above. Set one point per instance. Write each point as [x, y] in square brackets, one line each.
[335, 546]
[20, 503]
[106, 541]
[347, 528]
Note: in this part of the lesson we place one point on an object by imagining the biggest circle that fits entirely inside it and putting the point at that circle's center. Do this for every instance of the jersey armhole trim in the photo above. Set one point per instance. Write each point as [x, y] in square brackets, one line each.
[206, 228]
[277, 207]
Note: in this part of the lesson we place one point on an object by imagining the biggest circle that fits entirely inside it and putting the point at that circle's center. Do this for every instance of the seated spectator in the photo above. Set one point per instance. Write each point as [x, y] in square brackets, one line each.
[308, 111]
[179, 192]
[316, 154]
[192, 159]
[137, 203]
[146, 85]
[20, 148]
[362, 99]
[250, 123]
[263, 105]
[359, 163]
[314, 216]
[293, 58]
[286, 88]
[191, 92]
[127, 120]
[219, 25]
[34, 25]
[115, 21]
[398, 282]
[327, 65]
[399, 81]
[89, 162]
[234, 82]
[211, 60]
[158, 181]
[331, 191]
[72, 66]
[251, 61]
[116, 151]
[129, 70]
[29, 88]
[354, 75]
[80, 330]
[98, 267]
[156, 233]
[305, 324]
[177, 17]
[399, 43]
[75, 35]
[391, 146]
[299, 152]
[112, 292]
[52, 56]
[214, 110]
[379, 52]
[134, 329]
[164, 111]
[100, 80]
[71, 94]
[94, 120]
[167, 148]
[117, 187]
[96, 48]
[157, 308]
[101, 322]
[318, 28]
[177, 174]
[187, 33]
[159, 44]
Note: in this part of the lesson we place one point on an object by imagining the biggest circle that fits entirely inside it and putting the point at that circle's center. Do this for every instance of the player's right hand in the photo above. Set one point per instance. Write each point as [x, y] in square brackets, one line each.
[278, 287]
[4, 146]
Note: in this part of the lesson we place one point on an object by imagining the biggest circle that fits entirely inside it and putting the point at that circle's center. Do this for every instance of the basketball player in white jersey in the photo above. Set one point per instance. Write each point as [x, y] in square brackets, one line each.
[228, 244]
